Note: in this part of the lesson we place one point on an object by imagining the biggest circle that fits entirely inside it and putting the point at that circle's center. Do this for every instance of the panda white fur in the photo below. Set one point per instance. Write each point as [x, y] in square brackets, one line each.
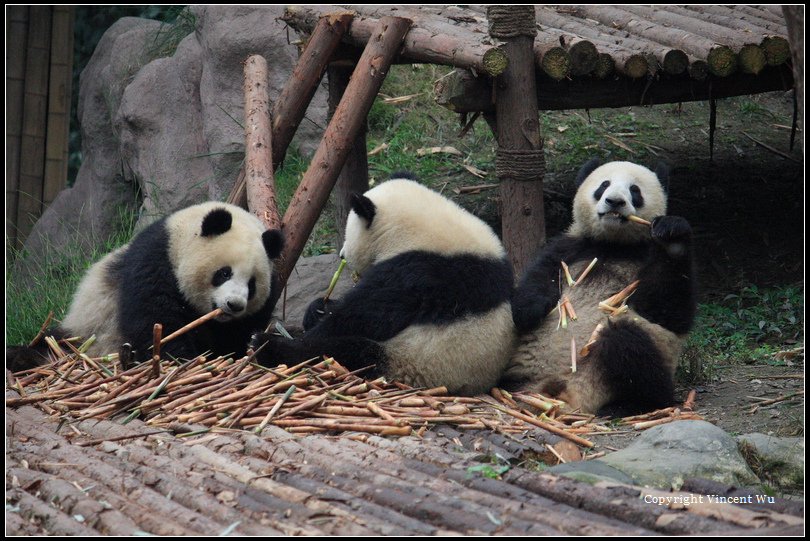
[633, 361]
[432, 306]
[207, 256]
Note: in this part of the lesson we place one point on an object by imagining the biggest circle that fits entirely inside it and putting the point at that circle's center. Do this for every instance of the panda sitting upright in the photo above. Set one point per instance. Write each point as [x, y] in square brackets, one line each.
[632, 362]
[432, 307]
[207, 256]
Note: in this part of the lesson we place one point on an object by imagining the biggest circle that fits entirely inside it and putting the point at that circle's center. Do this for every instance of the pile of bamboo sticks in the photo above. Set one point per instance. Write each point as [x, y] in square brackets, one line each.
[316, 396]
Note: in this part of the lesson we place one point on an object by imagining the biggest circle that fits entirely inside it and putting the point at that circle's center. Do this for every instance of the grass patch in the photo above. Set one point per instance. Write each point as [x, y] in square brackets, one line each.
[28, 302]
[745, 327]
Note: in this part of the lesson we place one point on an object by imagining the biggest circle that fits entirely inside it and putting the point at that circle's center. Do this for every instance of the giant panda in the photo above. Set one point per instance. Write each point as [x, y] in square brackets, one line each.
[631, 365]
[207, 256]
[432, 306]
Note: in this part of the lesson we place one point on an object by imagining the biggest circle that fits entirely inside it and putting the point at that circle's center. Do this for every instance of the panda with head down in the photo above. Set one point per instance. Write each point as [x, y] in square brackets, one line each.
[632, 362]
[432, 307]
[207, 256]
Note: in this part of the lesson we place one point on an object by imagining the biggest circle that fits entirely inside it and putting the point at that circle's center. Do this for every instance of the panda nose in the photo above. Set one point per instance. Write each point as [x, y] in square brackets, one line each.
[236, 306]
[615, 203]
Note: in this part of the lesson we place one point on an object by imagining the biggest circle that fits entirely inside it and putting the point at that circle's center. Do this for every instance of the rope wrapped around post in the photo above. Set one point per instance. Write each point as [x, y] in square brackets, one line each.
[526, 165]
[510, 21]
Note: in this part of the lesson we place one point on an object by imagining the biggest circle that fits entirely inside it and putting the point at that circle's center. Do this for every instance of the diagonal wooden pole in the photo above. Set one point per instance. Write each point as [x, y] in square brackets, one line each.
[292, 103]
[349, 118]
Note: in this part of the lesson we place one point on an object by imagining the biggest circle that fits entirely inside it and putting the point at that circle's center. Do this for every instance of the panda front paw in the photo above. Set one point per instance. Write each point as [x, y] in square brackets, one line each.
[668, 229]
[262, 344]
[317, 310]
[673, 232]
[529, 310]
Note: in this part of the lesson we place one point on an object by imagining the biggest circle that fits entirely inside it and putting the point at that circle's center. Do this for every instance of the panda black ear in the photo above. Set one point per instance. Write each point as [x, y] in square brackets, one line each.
[663, 171]
[363, 206]
[216, 222]
[587, 169]
[273, 242]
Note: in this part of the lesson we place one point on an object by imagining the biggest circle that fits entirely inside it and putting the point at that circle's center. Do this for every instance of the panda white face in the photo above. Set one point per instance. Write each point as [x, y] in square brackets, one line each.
[222, 258]
[611, 193]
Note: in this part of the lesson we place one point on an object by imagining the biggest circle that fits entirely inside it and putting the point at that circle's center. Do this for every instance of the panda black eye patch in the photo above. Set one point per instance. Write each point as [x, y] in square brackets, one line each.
[252, 287]
[597, 195]
[221, 276]
[638, 199]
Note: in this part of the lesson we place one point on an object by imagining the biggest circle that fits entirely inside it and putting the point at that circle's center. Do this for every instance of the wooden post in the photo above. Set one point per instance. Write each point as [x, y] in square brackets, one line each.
[354, 175]
[259, 181]
[292, 103]
[520, 164]
[346, 123]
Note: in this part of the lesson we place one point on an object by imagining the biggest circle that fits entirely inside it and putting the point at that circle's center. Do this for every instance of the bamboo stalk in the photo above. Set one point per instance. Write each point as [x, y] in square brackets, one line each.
[638, 220]
[585, 272]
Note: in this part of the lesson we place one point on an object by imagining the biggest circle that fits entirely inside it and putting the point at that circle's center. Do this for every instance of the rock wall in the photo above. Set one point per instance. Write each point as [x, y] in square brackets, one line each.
[160, 134]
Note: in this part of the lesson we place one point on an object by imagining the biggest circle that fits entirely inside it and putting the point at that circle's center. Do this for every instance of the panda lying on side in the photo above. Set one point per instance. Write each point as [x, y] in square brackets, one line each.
[433, 305]
[633, 360]
[207, 256]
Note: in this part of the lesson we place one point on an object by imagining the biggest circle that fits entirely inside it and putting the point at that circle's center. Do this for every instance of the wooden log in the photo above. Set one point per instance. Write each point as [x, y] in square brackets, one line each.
[349, 118]
[259, 181]
[698, 69]
[353, 177]
[627, 50]
[462, 92]
[553, 60]
[289, 109]
[721, 59]
[583, 54]
[421, 44]
[752, 59]
[777, 50]
[523, 226]
[294, 99]
[722, 16]
[605, 66]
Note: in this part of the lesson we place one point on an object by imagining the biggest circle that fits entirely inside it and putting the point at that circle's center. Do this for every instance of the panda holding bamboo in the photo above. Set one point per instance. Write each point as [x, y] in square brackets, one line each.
[622, 352]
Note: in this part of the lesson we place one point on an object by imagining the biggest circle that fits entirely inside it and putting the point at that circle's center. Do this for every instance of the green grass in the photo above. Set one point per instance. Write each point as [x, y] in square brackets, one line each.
[745, 327]
[29, 302]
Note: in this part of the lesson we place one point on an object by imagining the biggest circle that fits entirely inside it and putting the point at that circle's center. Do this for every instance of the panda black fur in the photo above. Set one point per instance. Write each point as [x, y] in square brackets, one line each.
[207, 256]
[432, 306]
[633, 361]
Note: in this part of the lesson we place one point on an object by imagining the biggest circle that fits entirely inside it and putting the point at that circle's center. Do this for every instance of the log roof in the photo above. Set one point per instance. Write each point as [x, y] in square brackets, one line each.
[61, 480]
[596, 55]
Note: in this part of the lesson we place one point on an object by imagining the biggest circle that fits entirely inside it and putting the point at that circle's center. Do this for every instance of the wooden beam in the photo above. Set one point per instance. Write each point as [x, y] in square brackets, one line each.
[346, 123]
[523, 225]
[462, 92]
[440, 44]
